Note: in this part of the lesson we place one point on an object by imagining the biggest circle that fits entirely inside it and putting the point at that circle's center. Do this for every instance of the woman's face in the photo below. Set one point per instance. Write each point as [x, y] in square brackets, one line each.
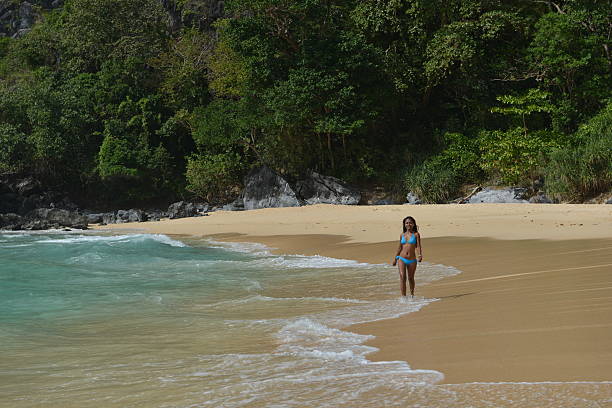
[409, 224]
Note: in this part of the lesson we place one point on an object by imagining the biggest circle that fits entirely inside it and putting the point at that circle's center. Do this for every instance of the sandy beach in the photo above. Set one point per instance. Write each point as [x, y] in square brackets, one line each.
[532, 302]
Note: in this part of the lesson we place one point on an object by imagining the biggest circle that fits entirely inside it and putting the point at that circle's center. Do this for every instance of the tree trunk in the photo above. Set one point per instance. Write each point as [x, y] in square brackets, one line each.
[321, 162]
[331, 153]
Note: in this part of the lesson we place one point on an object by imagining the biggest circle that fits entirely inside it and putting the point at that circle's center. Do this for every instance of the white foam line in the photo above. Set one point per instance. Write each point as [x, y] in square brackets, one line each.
[263, 250]
[406, 370]
[340, 376]
[326, 299]
[163, 239]
[248, 247]
[271, 299]
[43, 232]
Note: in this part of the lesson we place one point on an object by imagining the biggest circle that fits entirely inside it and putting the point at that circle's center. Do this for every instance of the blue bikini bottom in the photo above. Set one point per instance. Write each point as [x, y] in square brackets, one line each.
[406, 261]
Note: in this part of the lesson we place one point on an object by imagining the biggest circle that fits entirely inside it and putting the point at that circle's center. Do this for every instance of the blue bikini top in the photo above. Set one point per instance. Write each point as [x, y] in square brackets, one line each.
[412, 239]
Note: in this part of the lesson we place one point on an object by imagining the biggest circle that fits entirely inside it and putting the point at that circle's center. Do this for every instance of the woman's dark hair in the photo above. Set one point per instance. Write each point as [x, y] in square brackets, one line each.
[414, 229]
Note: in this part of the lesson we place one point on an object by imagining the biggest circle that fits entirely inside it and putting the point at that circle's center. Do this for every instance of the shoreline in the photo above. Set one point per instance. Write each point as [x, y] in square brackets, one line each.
[499, 320]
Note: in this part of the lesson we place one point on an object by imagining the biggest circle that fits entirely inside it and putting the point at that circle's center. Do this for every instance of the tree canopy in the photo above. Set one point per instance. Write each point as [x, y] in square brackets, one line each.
[127, 100]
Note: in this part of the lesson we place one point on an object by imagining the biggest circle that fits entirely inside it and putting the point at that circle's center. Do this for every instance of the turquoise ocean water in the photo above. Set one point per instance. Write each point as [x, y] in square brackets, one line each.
[89, 320]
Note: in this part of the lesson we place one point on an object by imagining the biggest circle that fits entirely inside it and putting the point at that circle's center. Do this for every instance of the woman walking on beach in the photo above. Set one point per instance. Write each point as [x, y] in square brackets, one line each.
[410, 241]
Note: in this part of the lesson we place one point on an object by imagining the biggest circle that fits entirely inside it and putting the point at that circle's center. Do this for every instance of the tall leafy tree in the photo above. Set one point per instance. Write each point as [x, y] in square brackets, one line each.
[318, 81]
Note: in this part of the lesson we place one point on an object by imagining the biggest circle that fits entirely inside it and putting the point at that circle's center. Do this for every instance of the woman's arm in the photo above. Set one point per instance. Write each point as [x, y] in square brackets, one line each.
[419, 247]
[399, 249]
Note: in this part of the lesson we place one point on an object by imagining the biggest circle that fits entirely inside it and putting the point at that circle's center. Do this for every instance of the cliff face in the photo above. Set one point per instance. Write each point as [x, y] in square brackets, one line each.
[17, 17]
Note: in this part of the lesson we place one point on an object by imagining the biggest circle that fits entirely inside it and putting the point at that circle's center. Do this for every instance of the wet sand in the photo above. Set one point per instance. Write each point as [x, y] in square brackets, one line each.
[533, 302]
[522, 310]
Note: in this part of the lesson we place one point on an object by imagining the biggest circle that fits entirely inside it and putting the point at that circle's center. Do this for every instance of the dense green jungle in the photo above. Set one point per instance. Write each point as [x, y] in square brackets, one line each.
[122, 101]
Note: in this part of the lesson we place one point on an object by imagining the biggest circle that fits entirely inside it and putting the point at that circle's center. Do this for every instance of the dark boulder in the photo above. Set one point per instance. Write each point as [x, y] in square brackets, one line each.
[45, 218]
[95, 218]
[109, 218]
[182, 209]
[131, 215]
[263, 188]
[123, 216]
[156, 215]
[202, 208]
[10, 222]
[319, 189]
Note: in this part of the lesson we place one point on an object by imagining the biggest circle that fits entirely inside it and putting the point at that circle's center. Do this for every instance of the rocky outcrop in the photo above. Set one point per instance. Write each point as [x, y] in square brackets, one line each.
[182, 209]
[25, 204]
[21, 195]
[131, 215]
[43, 218]
[507, 195]
[263, 188]
[18, 17]
[11, 222]
[156, 215]
[123, 216]
[319, 189]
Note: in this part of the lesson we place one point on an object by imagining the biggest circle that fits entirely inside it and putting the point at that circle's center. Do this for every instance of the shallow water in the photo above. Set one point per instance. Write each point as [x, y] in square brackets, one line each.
[148, 321]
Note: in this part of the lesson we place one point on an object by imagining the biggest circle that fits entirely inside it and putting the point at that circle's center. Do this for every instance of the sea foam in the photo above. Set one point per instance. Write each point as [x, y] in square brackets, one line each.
[134, 238]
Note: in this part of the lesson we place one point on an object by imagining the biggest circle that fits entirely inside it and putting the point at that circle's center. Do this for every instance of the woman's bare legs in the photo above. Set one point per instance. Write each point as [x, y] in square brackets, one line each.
[411, 271]
[401, 266]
